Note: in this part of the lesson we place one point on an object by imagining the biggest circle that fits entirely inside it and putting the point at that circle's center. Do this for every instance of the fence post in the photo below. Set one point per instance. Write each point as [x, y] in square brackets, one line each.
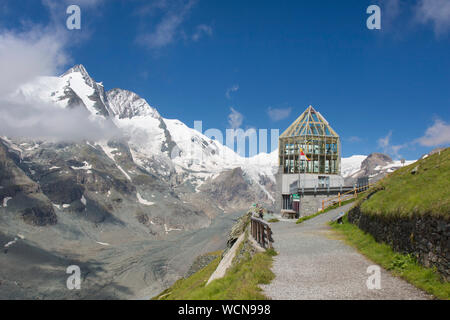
[355, 193]
[263, 236]
[323, 205]
[339, 195]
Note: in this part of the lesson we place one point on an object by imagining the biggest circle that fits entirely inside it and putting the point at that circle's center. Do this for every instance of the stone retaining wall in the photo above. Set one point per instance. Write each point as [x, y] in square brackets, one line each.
[428, 238]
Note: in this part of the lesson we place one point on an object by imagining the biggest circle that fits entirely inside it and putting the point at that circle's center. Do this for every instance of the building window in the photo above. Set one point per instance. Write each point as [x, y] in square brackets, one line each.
[324, 182]
[287, 203]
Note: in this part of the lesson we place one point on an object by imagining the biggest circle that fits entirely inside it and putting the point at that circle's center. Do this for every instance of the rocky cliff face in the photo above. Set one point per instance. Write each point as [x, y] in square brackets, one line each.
[21, 194]
[373, 161]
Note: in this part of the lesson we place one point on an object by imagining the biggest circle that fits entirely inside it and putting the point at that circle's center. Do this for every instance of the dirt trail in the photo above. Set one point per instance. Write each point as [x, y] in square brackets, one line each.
[313, 264]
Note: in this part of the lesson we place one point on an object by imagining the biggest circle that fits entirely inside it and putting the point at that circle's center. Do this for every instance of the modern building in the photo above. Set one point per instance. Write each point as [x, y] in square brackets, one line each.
[309, 164]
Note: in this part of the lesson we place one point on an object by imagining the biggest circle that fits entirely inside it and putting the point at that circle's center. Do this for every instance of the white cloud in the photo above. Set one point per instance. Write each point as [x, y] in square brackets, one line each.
[436, 12]
[46, 121]
[202, 30]
[354, 139]
[235, 118]
[164, 33]
[24, 56]
[169, 29]
[436, 135]
[279, 114]
[385, 144]
[230, 90]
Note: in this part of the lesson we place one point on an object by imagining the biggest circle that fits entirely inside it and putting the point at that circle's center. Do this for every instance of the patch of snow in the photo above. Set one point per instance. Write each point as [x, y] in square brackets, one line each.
[10, 243]
[83, 200]
[124, 172]
[143, 201]
[86, 166]
[102, 243]
[5, 201]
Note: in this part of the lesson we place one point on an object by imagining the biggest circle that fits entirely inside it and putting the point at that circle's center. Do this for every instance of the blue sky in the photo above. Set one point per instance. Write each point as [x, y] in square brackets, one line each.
[264, 62]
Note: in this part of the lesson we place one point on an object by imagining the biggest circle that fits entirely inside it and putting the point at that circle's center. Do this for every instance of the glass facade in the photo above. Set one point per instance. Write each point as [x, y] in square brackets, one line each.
[311, 135]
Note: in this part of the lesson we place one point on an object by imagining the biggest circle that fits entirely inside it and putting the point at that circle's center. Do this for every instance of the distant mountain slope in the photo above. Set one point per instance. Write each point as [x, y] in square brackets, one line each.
[375, 166]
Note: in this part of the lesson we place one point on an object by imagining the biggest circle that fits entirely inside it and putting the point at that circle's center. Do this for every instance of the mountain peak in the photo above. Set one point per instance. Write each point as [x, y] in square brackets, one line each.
[77, 68]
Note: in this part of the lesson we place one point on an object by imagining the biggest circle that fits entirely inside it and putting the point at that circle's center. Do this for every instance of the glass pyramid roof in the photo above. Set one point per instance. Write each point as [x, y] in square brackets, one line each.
[310, 123]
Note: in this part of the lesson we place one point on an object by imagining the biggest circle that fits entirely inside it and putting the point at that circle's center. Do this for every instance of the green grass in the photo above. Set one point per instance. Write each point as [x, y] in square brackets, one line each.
[334, 206]
[183, 287]
[273, 220]
[402, 194]
[241, 282]
[402, 265]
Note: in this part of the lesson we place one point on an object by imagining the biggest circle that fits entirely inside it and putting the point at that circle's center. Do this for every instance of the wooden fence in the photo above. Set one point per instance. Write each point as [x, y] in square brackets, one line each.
[344, 196]
[261, 232]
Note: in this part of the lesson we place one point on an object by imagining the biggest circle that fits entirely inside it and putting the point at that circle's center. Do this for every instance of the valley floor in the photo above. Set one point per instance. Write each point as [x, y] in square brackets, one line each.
[312, 263]
[126, 267]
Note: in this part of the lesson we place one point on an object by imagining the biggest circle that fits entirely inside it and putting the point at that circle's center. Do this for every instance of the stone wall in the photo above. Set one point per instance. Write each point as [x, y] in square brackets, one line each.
[310, 204]
[427, 238]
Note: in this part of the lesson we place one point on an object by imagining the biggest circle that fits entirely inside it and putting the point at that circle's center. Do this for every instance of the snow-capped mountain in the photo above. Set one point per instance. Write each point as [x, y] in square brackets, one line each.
[165, 148]
[351, 165]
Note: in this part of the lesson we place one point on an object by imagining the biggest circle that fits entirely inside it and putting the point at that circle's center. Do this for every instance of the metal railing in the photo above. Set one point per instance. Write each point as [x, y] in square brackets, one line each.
[261, 232]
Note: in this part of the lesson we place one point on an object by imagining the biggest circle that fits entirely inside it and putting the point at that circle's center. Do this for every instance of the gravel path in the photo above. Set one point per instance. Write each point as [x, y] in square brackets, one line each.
[313, 264]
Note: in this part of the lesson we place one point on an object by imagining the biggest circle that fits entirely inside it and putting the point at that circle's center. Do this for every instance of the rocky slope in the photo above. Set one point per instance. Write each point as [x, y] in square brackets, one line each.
[375, 166]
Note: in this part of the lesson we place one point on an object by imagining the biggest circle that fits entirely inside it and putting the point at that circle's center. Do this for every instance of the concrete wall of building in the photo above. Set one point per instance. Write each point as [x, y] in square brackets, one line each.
[310, 204]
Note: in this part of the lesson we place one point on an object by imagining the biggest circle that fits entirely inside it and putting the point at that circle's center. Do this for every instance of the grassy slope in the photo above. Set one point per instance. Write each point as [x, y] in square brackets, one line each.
[401, 265]
[405, 194]
[241, 282]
